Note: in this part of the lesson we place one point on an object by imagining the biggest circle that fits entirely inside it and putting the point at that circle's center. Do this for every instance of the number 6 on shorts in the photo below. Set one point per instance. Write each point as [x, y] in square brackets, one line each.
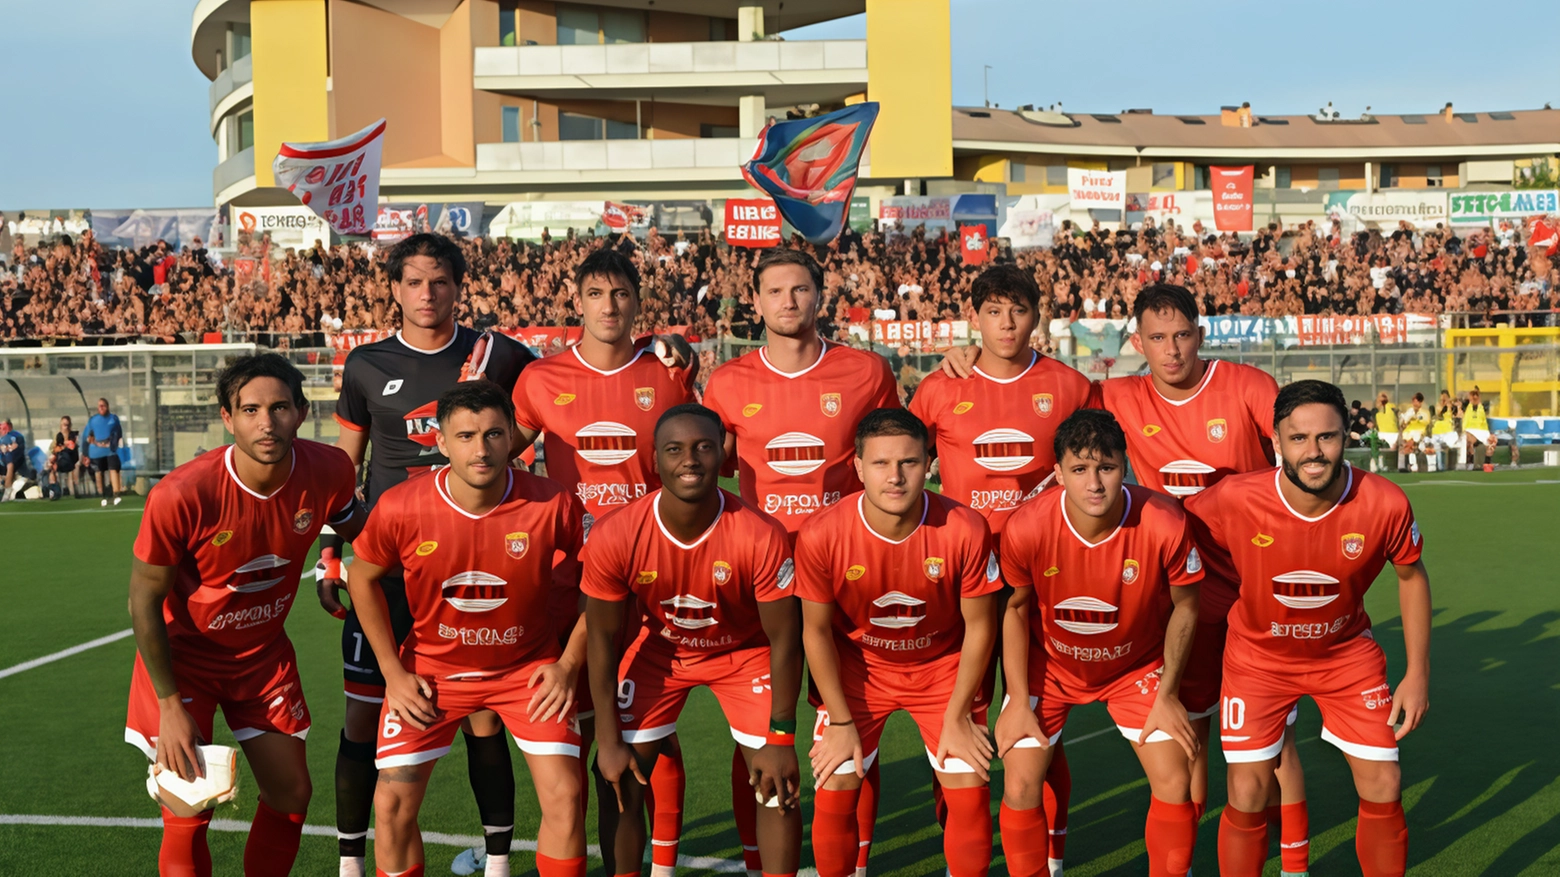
[392, 725]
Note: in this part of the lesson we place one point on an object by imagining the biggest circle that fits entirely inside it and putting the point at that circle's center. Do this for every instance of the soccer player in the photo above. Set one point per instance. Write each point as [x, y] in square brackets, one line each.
[102, 437]
[1307, 542]
[217, 562]
[13, 457]
[1476, 430]
[1103, 609]
[899, 611]
[992, 435]
[389, 393]
[1416, 423]
[594, 402]
[714, 574]
[1388, 428]
[475, 545]
[790, 410]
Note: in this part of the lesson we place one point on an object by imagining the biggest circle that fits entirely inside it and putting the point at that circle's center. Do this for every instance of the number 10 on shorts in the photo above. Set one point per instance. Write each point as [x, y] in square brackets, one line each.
[1232, 713]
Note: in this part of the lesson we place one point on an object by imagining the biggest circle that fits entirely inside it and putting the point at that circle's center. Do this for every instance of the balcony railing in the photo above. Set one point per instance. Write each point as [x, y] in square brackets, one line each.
[239, 167]
[708, 157]
[238, 74]
[672, 65]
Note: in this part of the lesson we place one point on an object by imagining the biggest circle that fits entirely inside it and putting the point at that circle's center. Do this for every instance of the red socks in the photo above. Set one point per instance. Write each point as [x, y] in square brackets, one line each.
[1294, 844]
[184, 852]
[744, 811]
[547, 866]
[1024, 841]
[1381, 840]
[665, 799]
[414, 871]
[273, 842]
[1057, 791]
[834, 833]
[867, 812]
[967, 837]
[1169, 834]
[1242, 843]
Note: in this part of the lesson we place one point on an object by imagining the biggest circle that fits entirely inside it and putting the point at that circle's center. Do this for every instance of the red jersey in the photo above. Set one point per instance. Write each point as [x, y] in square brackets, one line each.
[896, 603]
[1303, 580]
[599, 425]
[239, 554]
[796, 432]
[1100, 610]
[702, 595]
[995, 436]
[477, 585]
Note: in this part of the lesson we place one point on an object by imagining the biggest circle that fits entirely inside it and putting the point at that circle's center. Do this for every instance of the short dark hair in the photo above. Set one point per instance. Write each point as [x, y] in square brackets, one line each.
[239, 372]
[690, 409]
[1089, 430]
[889, 421]
[476, 397]
[607, 262]
[1292, 396]
[1005, 281]
[787, 256]
[1158, 297]
[436, 246]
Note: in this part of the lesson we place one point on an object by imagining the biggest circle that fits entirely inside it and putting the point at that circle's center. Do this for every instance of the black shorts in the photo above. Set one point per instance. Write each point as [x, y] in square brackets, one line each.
[109, 463]
[361, 678]
[65, 462]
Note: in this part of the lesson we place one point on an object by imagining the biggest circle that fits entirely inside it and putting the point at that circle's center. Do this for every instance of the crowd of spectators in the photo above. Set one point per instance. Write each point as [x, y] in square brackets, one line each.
[70, 289]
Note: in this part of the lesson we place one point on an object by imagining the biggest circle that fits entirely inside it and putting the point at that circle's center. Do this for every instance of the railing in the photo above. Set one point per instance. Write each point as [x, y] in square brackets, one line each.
[776, 62]
[239, 74]
[721, 156]
[239, 167]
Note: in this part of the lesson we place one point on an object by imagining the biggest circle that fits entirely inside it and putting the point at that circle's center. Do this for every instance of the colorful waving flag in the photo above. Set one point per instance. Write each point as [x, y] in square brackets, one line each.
[338, 179]
[809, 167]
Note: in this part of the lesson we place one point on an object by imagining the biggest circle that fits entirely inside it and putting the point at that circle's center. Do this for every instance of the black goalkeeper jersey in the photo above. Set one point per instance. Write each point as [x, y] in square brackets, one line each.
[391, 390]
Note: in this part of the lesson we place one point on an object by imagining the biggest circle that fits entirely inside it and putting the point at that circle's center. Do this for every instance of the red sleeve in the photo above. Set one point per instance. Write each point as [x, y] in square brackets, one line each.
[1261, 393]
[603, 572]
[1183, 565]
[922, 404]
[813, 579]
[980, 573]
[525, 412]
[167, 525]
[1404, 543]
[1018, 550]
[343, 483]
[712, 397]
[773, 568]
[378, 543]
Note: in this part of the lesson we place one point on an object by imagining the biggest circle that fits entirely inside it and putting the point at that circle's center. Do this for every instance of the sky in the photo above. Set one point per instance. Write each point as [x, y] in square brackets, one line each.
[102, 106]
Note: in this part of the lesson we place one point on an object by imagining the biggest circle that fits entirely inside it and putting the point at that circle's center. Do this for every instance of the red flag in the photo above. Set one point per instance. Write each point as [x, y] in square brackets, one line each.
[1545, 236]
[1232, 207]
[972, 242]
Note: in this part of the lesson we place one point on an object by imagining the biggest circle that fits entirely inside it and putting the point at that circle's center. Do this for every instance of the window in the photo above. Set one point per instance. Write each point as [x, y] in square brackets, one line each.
[245, 129]
[1164, 175]
[238, 42]
[708, 130]
[1413, 120]
[1056, 175]
[622, 130]
[622, 26]
[1502, 117]
[1016, 171]
[507, 34]
[574, 126]
[1389, 176]
[1327, 178]
[1281, 177]
[511, 124]
[1433, 177]
[1200, 176]
[578, 26]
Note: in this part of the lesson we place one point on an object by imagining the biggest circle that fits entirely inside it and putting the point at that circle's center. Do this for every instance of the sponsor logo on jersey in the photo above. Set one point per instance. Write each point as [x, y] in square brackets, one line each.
[1186, 477]
[1130, 572]
[1044, 403]
[1377, 698]
[426, 548]
[751, 409]
[392, 387]
[1086, 615]
[564, 398]
[721, 572]
[516, 544]
[689, 613]
[1004, 450]
[644, 397]
[795, 453]
[1413, 532]
[645, 577]
[1005, 499]
[606, 443]
[1193, 562]
[963, 407]
[855, 572]
[302, 520]
[903, 611]
[785, 574]
[934, 567]
[1353, 545]
[222, 538]
[1262, 540]
[1151, 429]
[474, 591]
[587, 521]
[993, 567]
[254, 576]
[422, 425]
[830, 403]
[1052, 571]
[1218, 428]
[1305, 589]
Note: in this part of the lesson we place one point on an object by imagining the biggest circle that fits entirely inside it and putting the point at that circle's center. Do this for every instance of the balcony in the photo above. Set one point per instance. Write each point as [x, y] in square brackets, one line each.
[234, 176]
[609, 161]
[784, 72]
[231, 87]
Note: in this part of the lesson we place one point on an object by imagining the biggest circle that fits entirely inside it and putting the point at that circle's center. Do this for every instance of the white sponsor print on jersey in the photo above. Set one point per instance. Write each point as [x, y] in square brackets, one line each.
[606, 443]
[689, 612]
[907, 611]
[392, 387]
[475, 591]
[795, 453]
[1305, 589]
[1004, 450]
[1185, 477]
[261, 564]
[1086, 615]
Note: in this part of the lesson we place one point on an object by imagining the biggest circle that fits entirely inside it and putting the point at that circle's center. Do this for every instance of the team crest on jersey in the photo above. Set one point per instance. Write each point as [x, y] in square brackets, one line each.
[426, 548]
[646, 576]
[722, 572]
[1044, 402]
[751, 409]
[963, 407]
[644, 397]
[1353, 545]
[855, 572]
[830, 402]
[1130, 572]
[564, 398]
[934, 567]
[302, 520]
[222, 538]
[1151, 429]
[1218, 428]
[1262, 540]
[516, 544]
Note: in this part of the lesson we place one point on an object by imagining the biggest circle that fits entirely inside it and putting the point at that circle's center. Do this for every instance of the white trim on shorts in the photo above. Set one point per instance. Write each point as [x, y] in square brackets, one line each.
[134, 738]
[751, 741]
[363, 697]
[949, 765]
[1030, 742]
[587, 714]
[649, 735]
[1360, 750]
[242, 734]
[535, 747]
[1248, 756]
[850, 764]
[410, 758]
[1294, 715]
[1132, 735]
[1213, 710]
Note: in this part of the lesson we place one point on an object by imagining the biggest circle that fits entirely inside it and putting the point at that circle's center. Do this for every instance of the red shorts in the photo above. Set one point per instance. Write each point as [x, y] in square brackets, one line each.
[1349, 686]
[1128, 699]
[653, 686]
[922, 690]
[505, 693]
[1205, 667]
[263, 697]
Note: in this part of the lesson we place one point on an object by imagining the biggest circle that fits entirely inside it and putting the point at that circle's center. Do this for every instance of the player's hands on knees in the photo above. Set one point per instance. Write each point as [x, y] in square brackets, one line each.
[839, 744]
[410, 697]
[178, 739]
[965, 739]
[1410, 703]
[777, 776]
[552, 691]
[1016, 722]
[960, 361]
[1168, 714]
[614, 761]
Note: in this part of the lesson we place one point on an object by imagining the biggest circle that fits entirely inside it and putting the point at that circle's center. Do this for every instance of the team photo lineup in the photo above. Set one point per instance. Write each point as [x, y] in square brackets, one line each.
[1198, 600]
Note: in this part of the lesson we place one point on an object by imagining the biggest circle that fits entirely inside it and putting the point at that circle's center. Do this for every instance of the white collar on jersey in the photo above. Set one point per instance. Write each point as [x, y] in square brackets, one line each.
[1033, 358]
[926, 503]
[655, 507]
[764, 358]
[447, 344]
[637, 354]
[1127, 510]
[1201, 385]
[1347, 487]
[227, 460]
[441, 478]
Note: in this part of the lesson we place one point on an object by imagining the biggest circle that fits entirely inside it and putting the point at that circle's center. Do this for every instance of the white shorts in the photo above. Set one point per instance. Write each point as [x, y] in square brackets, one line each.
[1448, 440]
[1388, 439]
[1482, 436]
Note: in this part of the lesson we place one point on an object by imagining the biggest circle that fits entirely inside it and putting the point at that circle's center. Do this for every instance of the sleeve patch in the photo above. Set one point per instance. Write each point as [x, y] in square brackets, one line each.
[1413, 533]
[993, 567]
[786, 574]
[1193, 562]
[585, 524]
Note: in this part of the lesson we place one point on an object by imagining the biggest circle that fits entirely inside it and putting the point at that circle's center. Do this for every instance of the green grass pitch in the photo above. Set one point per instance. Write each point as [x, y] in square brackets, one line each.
[1481, 785]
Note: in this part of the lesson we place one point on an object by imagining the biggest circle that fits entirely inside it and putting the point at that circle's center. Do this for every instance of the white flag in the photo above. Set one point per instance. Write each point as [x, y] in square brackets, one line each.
[338, 180]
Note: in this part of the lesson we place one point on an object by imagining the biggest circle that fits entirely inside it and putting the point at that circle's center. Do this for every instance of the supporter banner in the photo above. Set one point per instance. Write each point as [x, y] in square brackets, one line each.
[938, 212]
[1031, 220]
[1545, 236]
[544, 339]
[528, 219]
[1221, 330]
[140, 228]
[620, 217]
[397, 221]
[752, 222]
[809, 167]
[1384, 210]
[1388, 328]
[295, 227]
[1232, 198]
[1097, 190]
[1182, 208]
[973, 244]
[924, 335]
[337, 179]
[1478, 208]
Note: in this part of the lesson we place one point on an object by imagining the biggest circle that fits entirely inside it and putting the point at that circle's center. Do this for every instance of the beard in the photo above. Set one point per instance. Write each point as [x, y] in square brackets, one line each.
[1292, 472]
